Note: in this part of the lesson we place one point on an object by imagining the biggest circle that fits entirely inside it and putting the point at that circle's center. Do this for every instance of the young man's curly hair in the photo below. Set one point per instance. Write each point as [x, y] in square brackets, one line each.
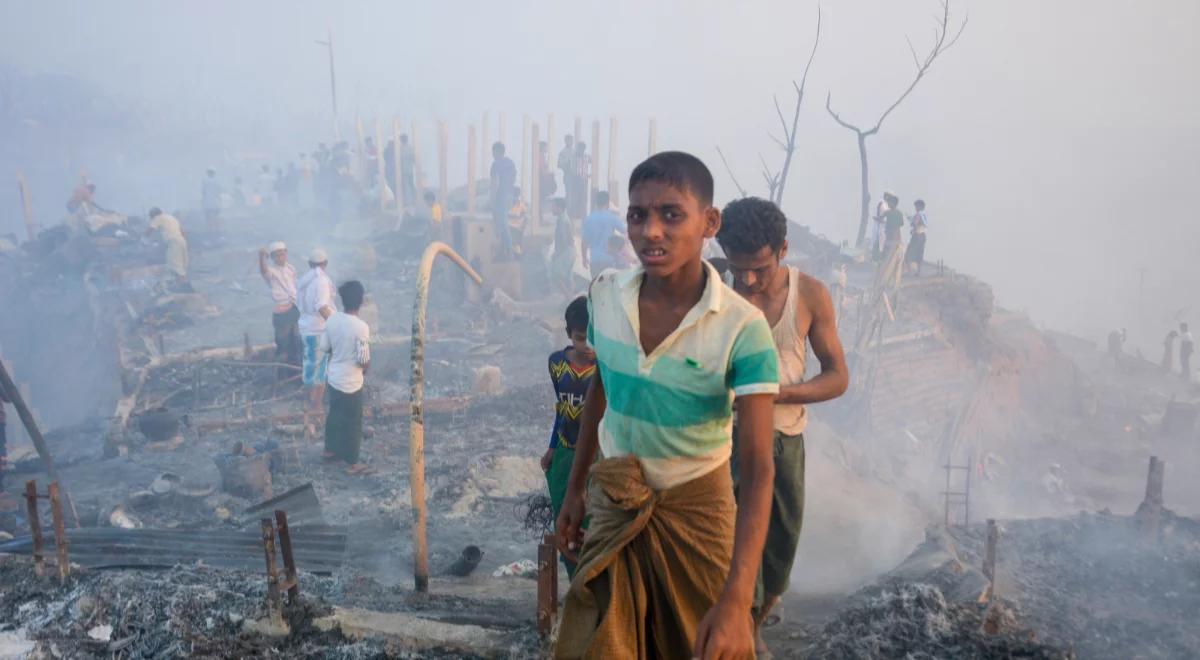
[750, 224]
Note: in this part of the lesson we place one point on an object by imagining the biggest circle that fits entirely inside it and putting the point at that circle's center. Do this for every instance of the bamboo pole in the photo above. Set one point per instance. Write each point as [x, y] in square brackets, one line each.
[397, 181]
[418, 170]
[485, 145]
[594, 170]
[550, 132]
[652, 147]
[525, 190]
[416, 428]
[613, 192]
[471, 170]
[26, 203]
[578, 130]
[502, 130]
[380, 176]
[535, 195]
[443, 140]
[360, 165]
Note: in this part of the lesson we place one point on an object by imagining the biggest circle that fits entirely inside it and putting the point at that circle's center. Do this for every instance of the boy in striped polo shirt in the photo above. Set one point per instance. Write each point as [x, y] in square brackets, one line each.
[668, 565]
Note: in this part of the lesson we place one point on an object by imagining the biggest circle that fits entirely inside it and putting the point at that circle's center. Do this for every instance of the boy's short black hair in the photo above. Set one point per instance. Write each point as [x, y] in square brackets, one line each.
[751, 223]
[352, 295]
[679, 170]
[577, 315]
[602, 198]
[919, 204]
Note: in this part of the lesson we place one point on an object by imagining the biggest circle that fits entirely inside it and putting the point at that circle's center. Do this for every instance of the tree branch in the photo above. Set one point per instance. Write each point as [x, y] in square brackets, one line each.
[838, 119]
[740, 189]
[790, 147]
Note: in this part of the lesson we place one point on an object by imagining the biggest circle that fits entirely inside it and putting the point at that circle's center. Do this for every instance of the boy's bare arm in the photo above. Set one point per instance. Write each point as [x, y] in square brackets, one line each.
[827, 347]
[726, 629]
[569, 529]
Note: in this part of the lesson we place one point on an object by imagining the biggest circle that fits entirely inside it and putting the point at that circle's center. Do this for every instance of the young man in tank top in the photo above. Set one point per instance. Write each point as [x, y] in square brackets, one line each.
[800, 311]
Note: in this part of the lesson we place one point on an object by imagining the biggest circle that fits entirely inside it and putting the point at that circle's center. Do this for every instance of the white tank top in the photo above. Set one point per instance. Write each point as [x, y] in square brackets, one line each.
[790, 418]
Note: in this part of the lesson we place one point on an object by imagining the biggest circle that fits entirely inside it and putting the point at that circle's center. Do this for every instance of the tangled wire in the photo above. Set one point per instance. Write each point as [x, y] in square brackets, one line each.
[535, 515]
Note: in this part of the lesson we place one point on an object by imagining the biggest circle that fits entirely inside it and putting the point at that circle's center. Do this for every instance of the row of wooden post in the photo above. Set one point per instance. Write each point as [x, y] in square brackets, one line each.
[481, 149]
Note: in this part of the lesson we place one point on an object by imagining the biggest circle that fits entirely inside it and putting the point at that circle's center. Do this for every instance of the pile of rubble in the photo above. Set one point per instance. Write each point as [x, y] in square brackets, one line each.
[915, 621]
[1098, 583]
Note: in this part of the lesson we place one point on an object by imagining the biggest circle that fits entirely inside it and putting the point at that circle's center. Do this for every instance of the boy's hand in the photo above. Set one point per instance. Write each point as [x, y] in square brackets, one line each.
[727, 631]
[546, 458]
[569, 530]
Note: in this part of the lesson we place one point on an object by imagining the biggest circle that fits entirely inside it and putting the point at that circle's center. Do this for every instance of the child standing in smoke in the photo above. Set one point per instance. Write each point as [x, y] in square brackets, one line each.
[571, 372]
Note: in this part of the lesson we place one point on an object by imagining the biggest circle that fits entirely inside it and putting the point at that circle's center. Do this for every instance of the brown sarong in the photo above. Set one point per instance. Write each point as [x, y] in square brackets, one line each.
[652, 564]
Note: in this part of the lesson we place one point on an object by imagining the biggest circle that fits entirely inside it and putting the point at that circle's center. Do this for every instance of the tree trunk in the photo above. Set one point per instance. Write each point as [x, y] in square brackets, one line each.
[866, 193]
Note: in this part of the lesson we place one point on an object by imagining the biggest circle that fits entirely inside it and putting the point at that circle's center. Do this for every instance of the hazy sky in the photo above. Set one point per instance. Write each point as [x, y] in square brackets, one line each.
[1056, 144]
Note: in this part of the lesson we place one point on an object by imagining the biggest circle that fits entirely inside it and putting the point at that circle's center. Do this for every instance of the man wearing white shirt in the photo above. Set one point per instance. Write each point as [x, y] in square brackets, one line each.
[347, 342]
[314, 298]
[280, 277]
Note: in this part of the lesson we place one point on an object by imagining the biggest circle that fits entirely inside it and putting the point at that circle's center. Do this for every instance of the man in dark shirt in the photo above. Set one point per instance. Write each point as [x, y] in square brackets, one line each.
[893, 222]
[503, 180]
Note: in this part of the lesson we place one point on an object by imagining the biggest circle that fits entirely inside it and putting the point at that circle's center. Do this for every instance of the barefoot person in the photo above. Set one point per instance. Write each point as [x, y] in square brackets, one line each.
[347, 341]
[314, 298]
[668, 565]
[799, 309]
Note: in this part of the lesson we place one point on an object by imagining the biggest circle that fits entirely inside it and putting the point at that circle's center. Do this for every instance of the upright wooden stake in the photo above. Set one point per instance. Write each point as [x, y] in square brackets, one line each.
[652, 147]
[397, 181]
[292, 581]
[989, 558]
[535, 195]
[416, 397]
[26, 204]
[578, 131]
[524, 154]
[613, 190]
[35, 527]
[274, 602]
[418, 169]
[594, 170]
[547, 587]
[360, 165]
[60, 532]
[485, 145]
[471, 170]
[550, 132]
[502, 130]
[380, 176]
[443, 145]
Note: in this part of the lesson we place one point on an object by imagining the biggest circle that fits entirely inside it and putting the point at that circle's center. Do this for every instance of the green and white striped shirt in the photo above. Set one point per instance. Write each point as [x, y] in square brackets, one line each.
[673, 408]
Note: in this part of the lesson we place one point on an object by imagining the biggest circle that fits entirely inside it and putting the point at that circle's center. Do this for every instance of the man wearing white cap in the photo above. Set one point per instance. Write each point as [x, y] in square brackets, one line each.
[314, 298]
[280, 277]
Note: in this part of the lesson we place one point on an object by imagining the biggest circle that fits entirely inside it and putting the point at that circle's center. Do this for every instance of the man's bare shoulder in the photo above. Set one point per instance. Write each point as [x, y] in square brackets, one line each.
[813, 292]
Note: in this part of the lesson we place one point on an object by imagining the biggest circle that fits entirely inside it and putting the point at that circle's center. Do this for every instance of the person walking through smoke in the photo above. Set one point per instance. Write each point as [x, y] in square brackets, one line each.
[800, 311]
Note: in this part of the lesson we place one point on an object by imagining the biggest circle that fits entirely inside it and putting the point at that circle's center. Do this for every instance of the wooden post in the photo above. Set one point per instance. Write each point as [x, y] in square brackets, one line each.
[535, 194]
[60, 532]
[550, 132]
[502, 130]
[613, 192]
[360, 164]
[547, 587]
[274, 604]
[652, 147]
[471, 170]
[35, 434]
[485, 145]
[524, 154]
[418, 170]
[1149, 512]
[35, 527]
[380, 177]
[292, 581]
[443, 145]
[26, 203]
[989, 558]
[578, 131]
[594, 170]
[416, 397]
[397, 178]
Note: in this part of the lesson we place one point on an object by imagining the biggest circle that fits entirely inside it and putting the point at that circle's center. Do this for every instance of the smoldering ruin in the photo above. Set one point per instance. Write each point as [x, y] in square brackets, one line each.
[990, 485]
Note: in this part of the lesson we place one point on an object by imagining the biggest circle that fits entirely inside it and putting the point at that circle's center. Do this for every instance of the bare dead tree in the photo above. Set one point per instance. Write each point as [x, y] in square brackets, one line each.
[740, 189]
[941, 44]
[777, 181]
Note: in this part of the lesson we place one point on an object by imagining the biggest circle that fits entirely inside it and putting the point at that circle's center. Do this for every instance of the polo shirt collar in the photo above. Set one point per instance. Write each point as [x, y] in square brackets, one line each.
[630, 283]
